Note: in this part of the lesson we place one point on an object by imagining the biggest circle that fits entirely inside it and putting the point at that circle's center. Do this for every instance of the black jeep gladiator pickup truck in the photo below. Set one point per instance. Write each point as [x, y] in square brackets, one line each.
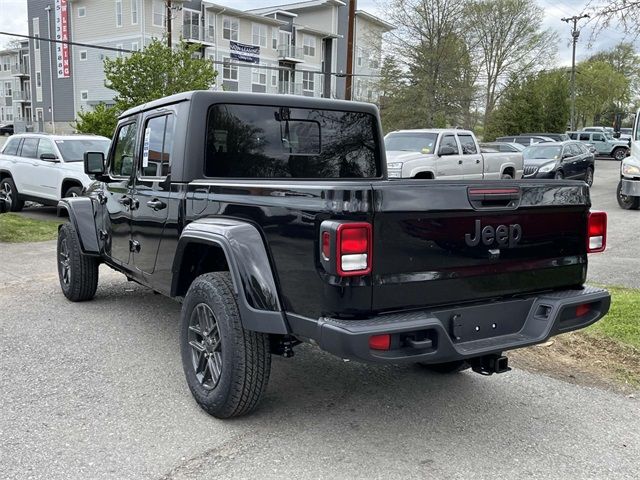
[271, 219]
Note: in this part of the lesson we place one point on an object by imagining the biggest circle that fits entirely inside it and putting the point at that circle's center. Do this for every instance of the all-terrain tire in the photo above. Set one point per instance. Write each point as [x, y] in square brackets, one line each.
[446, 368]
[9, 191]
[619, 153]
[626, 202]
[232, 380]
[589, 176]
[559, 175]
[78, 273]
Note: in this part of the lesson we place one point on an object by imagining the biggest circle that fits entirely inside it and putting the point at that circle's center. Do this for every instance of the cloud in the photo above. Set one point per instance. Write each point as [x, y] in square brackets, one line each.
[13, 18]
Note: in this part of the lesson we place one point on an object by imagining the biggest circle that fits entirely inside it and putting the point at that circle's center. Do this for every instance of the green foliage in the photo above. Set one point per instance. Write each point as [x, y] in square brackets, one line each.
[15, 228]
[99, 121]
[598, 86]
[539, 103]
[157, 71]
[140, 77]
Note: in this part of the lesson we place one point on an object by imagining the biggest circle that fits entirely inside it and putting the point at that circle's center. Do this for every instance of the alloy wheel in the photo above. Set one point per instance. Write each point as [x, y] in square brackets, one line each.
[206, 346]
[65, 263]
[7, 193]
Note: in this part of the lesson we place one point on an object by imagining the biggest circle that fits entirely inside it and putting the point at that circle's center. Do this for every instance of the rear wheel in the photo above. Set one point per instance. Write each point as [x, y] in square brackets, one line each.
[9, 191]
[619, 153]
[625, 201]
[589, 176]
[78, 273]
[226, 367]
[559, 175]
[448, 367]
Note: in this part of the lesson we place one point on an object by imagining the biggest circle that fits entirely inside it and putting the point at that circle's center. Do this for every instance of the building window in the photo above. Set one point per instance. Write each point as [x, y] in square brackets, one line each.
[119, 46]
[211, 26]
[308, 81]
[230, 28]
[83, 55]
[38, 80]
[82, 12]
[259, 34]
[274, 38]
[159, 13]
[309, 45]
[84, 95]
[229, 72]
[134, 12]
[259, 77]
[9, 116]
[36, 33]
[118, 13]
[7, 89]
[135, 47]
[274, 80]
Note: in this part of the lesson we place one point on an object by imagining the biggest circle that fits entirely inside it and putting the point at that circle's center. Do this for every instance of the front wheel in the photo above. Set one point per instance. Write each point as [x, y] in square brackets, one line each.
[73, 192]
[78, 273]
[589, 176]
[625, 201]
[559, 175]
[620, 153]
[227, 367]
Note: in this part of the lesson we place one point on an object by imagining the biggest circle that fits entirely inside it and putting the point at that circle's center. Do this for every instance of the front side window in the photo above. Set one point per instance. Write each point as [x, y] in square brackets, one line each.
[450, 141]
[598, 137]
[123, 151]
[230, 28]
[45, 147]
[157, 146]
[247, 141]
[468, 145]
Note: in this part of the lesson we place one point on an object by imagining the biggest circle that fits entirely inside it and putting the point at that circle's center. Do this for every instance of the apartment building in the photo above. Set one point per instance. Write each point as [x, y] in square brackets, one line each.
[295, 48]
[15, 89]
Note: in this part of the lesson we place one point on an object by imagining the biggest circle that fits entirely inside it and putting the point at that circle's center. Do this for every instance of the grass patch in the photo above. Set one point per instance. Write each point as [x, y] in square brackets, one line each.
[622, 323]
[17, 229]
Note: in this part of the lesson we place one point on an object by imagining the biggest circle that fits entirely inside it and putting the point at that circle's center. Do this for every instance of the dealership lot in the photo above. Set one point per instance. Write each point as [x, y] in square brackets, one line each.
[96, 390]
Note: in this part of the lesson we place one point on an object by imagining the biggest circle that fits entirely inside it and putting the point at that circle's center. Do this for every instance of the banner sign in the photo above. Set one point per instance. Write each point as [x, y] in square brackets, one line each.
[62, 34]
[244, 53]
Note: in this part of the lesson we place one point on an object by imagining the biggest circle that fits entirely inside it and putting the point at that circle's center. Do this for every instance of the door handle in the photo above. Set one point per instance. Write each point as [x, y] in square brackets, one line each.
[459, 162]
[477, 161]
[156, 204]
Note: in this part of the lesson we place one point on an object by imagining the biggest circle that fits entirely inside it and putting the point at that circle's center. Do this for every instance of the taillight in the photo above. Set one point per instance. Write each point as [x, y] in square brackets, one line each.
[597, 232]
[353, 249]
[345, 247]
[582, 310]
[380, 342]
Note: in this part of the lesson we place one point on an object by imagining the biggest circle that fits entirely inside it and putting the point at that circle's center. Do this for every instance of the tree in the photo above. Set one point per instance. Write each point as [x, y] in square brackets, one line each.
[624, 60]
[510, 41]
[598, 86]
[101, 120]
[440, 74]
[622, 15]
[147, 75]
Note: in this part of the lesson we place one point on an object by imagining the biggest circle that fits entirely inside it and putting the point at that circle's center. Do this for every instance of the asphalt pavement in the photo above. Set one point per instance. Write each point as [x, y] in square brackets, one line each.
[96, 391]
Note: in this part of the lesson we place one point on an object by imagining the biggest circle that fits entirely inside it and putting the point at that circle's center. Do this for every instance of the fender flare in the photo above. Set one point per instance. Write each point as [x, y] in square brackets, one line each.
[253, 280]
[418, 170]
[82, 216]
[71, 180]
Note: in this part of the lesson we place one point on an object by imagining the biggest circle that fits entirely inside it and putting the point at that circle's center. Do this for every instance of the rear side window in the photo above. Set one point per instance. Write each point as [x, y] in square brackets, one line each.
[248, 141]
[11, 148]
[585, 137]
[468, 145]
[157, 146]
[29, 148]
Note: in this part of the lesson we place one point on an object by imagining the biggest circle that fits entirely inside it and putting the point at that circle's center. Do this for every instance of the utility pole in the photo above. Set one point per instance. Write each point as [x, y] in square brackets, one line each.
[350, 35]
[575, 34]
[169, 15]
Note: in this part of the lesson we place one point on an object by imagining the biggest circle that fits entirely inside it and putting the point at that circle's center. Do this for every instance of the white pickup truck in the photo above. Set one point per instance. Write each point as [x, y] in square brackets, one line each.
[450, 154]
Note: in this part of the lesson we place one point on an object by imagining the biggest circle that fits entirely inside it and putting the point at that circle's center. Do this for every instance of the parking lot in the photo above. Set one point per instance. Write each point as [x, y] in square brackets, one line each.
[96, 390]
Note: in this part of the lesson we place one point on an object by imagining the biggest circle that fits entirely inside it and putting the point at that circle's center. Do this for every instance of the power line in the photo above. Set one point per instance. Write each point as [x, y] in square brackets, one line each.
[216, 62]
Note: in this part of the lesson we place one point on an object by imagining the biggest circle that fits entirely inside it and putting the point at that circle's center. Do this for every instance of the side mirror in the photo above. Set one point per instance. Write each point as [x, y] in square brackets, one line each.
[94, 163]
[616, 134]
[446, 150]
[49, 157]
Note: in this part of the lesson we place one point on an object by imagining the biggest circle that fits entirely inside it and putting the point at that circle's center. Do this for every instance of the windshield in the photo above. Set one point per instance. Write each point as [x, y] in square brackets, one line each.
[411, 142]
[73, 150]
[541, 152]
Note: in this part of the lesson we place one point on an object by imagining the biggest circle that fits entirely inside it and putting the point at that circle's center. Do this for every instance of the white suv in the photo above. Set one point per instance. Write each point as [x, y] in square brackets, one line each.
[45, 168]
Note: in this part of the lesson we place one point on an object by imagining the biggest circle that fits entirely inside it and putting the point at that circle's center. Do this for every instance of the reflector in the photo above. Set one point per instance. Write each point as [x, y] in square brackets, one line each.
[380, 342]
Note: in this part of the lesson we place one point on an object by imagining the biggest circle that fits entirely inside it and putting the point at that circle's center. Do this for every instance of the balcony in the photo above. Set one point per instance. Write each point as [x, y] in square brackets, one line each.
[196, 33]
[19, 96]
[20, 70]
[289, 88]
[291, 53]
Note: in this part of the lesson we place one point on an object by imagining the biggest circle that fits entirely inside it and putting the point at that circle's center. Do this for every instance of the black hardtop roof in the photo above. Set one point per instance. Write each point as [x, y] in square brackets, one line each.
[294, 101]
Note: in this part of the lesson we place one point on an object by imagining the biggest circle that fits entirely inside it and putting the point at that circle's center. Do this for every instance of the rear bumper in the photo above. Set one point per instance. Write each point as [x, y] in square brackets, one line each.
[449, 334]
[630, 188]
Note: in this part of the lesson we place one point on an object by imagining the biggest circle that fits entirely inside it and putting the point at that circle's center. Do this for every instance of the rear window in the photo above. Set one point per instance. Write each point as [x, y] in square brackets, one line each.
[248, 141]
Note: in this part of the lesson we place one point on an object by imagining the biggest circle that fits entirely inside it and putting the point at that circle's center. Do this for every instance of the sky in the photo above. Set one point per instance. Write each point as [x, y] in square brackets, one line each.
[13, 18]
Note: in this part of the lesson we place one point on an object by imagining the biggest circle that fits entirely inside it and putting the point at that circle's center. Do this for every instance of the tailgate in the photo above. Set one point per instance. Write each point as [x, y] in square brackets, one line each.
[438, 243]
